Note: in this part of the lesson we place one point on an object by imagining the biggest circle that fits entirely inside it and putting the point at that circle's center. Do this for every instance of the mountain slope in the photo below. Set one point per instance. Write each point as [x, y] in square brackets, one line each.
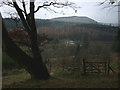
[75, 19]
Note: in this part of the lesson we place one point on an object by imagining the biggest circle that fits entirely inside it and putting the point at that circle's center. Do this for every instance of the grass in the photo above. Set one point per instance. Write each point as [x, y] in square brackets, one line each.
[14, 76]
[114, 65]
[21, 79]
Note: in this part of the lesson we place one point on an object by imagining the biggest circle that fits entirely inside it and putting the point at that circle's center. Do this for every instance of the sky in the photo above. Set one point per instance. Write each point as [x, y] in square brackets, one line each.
[88, 8]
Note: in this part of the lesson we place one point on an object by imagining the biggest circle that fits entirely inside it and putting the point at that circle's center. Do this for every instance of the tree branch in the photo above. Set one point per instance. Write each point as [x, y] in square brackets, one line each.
[50, 10]
[7, 3]
[55, 4]
[110, 2]
[25, 24]
[43, 6]
[102, 3]
[23, 2]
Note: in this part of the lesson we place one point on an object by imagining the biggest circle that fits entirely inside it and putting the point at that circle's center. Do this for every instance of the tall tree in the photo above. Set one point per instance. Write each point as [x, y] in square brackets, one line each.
[34, 65]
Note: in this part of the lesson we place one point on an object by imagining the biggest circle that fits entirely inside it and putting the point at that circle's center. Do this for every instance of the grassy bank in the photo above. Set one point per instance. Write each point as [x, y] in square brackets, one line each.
[21, 79]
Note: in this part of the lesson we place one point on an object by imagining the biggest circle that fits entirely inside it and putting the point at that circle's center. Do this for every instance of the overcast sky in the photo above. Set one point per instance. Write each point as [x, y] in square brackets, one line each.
[90, 9]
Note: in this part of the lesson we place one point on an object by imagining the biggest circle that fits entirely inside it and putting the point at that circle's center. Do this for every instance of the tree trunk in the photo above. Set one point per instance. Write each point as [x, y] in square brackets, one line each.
[36, 68]
[33, 34]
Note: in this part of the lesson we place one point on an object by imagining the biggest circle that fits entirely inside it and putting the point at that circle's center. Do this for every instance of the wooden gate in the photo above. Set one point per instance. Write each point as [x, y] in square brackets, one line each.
[96, 67]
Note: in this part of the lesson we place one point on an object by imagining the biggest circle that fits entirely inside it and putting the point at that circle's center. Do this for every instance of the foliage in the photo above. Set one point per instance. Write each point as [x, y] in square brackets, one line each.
[22, 38]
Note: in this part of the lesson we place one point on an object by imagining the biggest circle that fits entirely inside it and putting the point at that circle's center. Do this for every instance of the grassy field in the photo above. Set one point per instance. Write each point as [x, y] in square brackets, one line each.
[21, 79]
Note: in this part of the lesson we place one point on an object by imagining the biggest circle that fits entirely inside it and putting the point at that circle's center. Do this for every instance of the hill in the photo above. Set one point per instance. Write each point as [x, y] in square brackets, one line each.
[55, 21]
[75, 19]
[65, 21]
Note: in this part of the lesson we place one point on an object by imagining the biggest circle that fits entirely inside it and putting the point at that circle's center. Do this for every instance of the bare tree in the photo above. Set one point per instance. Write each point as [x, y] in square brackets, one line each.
[35, 65]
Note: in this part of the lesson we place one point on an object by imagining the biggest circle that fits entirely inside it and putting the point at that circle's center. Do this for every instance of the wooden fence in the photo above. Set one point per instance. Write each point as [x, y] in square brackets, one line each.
[97, 67]
[83, 67]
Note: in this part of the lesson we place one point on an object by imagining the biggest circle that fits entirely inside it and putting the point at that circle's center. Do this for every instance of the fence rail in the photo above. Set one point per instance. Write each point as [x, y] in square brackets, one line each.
[97, 67]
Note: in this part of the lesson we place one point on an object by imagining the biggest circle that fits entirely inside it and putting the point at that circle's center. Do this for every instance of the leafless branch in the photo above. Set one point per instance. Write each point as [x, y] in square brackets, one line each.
[55, 4]
[102, 3]
[43, 6]
[7, 2]
[24, 7]
[110, 2]
[50, 10]
[20, 12]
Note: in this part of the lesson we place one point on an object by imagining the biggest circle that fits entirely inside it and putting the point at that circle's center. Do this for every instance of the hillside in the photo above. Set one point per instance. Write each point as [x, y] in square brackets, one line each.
[75, 19]
[55, 21]
[72, 21]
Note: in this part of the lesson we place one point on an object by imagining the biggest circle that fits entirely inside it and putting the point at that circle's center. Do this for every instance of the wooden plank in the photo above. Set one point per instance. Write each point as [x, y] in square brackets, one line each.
[92, 72]
[94, 62]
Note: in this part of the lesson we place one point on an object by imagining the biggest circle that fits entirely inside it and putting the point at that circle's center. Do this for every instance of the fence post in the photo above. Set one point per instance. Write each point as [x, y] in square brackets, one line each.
[50, 65]
[105, 66]
[84, 67]
[108, 66]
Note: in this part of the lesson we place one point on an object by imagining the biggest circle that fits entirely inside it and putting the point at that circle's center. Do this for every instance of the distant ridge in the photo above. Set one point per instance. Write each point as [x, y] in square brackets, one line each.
[65, 21]
[75, 19]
